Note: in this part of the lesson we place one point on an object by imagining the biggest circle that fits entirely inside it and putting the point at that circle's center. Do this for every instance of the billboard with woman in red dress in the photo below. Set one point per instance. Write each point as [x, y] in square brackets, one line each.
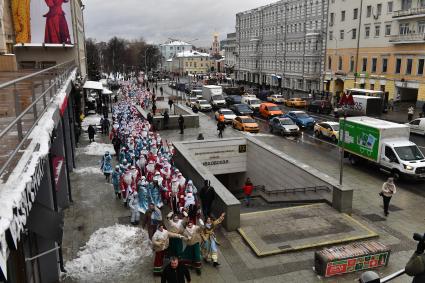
[56, 25]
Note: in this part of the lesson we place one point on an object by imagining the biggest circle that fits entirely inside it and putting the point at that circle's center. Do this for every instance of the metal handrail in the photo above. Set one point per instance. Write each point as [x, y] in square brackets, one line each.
[60, 73]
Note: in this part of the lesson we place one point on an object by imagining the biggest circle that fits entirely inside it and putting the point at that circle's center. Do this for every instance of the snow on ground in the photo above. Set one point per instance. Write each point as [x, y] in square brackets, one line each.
[90, 120]
[88, 170]
[95, 148]
[109, 254]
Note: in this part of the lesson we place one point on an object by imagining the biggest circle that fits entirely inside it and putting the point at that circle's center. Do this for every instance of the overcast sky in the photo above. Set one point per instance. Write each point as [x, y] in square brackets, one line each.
[157, 20]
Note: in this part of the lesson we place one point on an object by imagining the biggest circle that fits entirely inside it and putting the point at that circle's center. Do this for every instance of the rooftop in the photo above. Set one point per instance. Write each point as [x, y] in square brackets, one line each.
[191, 53]
[176, 42]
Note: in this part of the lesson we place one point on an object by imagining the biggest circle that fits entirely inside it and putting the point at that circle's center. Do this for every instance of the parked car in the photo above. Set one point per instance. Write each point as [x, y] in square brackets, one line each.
[320, 106]
[252, 102]
[233, 99]
[203, 106]
[284, 126]
[229, 115]
[301, 118]
[172, 84]
[295, 102]
[241, 110]
[276, 98]
[417, 126]
[269, 110]
[245, 124]
[328, 130]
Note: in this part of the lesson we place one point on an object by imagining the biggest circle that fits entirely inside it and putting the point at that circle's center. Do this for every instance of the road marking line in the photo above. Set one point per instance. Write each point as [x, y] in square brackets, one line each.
[322, 140]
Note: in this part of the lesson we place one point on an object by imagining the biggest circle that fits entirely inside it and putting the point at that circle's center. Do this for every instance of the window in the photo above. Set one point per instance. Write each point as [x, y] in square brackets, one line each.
[406, 4]
[398, 66]
[367, 31]
[421, 66]
[331, 35]
[352, 64]
[374, 62]
[409, 66]
[341, 34]
[368, 11]
[421, 27]
[340, 63]
[355, 14]
[388, 29]
[372, 86]
[364, 66]
[354, 33]
[390, 7]
[384, 65]
[329, 63]
[377, 30]
[421, 3]
[389, 153]
[379, 9]
[331, 19]
[342, 16]
[404, 28]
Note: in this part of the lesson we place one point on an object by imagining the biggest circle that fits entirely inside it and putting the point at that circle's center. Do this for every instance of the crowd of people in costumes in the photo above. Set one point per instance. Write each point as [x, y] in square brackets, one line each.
[147, 182]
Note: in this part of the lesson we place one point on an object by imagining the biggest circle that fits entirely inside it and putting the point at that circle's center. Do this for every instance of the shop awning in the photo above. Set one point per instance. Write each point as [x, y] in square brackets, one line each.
[106, 91]
[93, 85]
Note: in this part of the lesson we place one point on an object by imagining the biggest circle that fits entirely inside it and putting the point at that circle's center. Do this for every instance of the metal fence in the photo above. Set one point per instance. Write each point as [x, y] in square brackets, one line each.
[23, 102]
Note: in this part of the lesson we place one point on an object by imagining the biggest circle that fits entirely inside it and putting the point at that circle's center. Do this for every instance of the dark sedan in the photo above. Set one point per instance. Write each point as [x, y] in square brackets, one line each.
[320, 106]
[242, 110]
[233, 99]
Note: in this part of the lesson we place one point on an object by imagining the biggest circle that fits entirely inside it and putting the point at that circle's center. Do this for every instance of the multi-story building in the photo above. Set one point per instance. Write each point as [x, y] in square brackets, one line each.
[171, 48]
[229, 45]
[192, 62]
[377, 45]
[282, 44]
[215, 47]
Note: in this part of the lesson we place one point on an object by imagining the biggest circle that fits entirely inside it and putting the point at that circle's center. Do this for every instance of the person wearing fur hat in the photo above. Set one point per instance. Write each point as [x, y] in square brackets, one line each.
[176, 225]
[116, 181]
[133, 203]
[143, 195]
[209, 246]
[192, 253]
[106, 166]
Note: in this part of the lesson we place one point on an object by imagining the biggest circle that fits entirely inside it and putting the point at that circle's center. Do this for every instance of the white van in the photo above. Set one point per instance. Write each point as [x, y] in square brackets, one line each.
[252, 102]
[417, 126]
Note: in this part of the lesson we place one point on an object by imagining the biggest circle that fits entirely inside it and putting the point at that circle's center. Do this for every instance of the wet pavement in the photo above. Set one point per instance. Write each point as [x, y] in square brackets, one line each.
[95, 207]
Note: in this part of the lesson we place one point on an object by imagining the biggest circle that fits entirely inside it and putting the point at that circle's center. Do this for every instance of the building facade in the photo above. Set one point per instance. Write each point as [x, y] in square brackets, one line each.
[215, 47]
[377, 45]
[282, 44]
[171, 48]
[229, 46]
[192, 62]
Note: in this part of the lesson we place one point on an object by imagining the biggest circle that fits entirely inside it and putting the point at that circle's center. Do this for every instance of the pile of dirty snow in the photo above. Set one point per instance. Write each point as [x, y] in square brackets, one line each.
[88, 170]
[90, 120]
[95, 148]
[109, 254]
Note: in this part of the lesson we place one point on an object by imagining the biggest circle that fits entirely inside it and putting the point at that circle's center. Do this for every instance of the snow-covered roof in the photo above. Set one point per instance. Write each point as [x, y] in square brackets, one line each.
[93, 85]
[191, 53]
[176, 42]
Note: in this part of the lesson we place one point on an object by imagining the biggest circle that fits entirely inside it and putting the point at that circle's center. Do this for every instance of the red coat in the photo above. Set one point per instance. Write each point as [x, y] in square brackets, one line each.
[247, 189]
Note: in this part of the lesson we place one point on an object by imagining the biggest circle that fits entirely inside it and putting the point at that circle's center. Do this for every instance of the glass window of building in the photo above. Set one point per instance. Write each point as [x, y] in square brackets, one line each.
[368, 11]
[384, 65]
[404, 28]
[377, 30]
[409, 66]
[374, 63]
[355, 13]
[421, 27]
[342, 16]
[388, 29]
[367, 31]
[364, 65]
[406, 4]
[352, 64]
[340, 63]
[421, 66]
[341, 34]
[398, 66]
[379, 9]
[354, 33]
[390, 7]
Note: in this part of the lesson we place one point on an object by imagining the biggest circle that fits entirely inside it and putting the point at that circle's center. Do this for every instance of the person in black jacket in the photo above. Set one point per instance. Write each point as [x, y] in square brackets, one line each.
[175, 272]
[207, 195]
[181, 124]
[91, 131]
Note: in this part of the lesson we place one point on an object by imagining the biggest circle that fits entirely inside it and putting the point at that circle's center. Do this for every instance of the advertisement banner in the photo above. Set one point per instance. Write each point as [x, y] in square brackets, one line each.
[42, 21]
[360, 139]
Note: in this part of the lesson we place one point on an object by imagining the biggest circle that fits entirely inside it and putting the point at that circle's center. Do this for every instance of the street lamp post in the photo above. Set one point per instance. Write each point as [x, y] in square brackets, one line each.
[146, 59]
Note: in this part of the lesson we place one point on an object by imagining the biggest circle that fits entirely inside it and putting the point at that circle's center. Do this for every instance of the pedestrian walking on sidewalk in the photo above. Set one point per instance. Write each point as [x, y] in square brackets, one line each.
[207, 195]
[166, 119]
[410, 113]
[106, 166]
[91, 131]
[247, 191]
[154, 108]
[175, 272]
[170, 103]
[388, 190]
[161, 90]
[220, 128]
[181, 124]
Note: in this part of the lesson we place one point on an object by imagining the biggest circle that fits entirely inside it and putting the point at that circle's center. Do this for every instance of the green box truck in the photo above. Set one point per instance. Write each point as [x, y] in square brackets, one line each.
[384, 143]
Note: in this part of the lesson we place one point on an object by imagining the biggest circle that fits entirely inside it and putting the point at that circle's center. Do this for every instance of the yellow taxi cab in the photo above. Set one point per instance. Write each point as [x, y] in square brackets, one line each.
[327, 130]
[245, 124]
[296, 102]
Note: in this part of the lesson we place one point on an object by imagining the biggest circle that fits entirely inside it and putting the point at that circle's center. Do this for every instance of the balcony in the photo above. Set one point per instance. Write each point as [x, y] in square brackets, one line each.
[409, 13]
[408, 38]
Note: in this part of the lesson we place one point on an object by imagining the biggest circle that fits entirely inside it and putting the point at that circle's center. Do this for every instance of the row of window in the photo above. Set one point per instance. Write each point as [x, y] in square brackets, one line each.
[370, 11]
[291, 66]
[189, 64]
[401, 64]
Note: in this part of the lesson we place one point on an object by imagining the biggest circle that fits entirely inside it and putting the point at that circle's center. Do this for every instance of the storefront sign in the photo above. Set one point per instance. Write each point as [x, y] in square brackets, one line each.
[356, 264]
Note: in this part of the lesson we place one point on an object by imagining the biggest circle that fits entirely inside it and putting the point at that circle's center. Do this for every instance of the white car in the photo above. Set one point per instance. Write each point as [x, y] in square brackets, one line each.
[228, 115]
[417, 126]
[252, 102]
[328, 130]
[276, 98]
[203, 106]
